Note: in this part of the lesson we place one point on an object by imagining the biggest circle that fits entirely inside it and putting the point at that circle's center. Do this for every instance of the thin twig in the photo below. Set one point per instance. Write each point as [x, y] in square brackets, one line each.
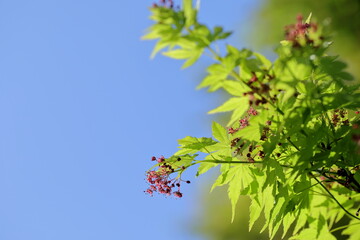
[333, 197]
[291, 142]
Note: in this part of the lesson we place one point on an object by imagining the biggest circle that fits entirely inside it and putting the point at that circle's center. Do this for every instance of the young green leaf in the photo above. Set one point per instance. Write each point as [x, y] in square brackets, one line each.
[241, 179]
[229, 105]
[220, 133]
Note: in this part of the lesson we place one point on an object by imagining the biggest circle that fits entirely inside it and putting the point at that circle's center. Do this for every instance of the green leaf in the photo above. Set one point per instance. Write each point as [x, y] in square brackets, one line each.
[268, 203]
[335, 69]
[158, 47]
[308, 19]
[255, 211]
[196, 55]
[305, 115]
[236, 88]
[229, 105]
[204, 167]
[186, 43]
[297, 69]
[151, 35]
[220, 133]
[190, 145]
[223, 178]
[288, 220]
[179, 53]
[189, 12]
[318, 230]
[357, 176]
[186, 160]
[276, 216]
[253, 131]
[224, 35]
[353, 230]
[308, 234]
[285, 43]
[301, 220]
[301, 186]
[239, 111]
[241, 179]
[267, 63]
[247, 67]
[218, 70]
[217, 30]
[215, 79]
[218, 33]
[323, 229]
[212, 81]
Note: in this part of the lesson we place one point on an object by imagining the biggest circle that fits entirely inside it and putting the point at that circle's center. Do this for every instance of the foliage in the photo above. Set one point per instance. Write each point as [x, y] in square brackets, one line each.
[292, 143]
[341, 16]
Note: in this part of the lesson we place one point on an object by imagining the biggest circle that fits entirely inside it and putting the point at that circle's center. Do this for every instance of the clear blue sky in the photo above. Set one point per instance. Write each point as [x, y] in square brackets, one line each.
[83, 109]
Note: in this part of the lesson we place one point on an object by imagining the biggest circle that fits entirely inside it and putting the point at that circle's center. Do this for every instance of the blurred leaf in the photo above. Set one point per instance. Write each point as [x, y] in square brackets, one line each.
[179, 53]
[308, 19]
[196, 54]
[189, 12]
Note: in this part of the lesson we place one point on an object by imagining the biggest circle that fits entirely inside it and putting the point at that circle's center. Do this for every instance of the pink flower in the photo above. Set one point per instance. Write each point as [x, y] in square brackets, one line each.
[244, 123]
[252, 111]
[160, 180]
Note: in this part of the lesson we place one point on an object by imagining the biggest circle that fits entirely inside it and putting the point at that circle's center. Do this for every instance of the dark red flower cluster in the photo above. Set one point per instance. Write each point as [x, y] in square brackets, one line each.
[294, 32]
[258, 88]
[340, 118]
[164, 3]
[160, 180]
[250, 155]
[265, 133]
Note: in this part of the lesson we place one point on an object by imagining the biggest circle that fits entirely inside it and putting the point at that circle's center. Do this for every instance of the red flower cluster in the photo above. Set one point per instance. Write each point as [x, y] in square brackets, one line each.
[252, 111]
[244, 122]
[160, 180]
[299, 30]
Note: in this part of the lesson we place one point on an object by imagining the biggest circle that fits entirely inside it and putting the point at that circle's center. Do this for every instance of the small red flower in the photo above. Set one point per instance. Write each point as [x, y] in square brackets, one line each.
[178, 194]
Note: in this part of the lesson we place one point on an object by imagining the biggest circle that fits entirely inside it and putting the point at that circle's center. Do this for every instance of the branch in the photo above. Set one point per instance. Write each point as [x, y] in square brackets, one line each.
[236, 162]
[333, 197]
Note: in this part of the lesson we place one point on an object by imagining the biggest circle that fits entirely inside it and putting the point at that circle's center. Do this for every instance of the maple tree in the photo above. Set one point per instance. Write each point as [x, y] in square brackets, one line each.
[292, 143]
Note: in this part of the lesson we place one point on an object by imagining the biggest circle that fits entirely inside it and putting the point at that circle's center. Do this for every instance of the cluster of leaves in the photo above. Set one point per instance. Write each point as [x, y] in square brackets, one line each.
[292, 143]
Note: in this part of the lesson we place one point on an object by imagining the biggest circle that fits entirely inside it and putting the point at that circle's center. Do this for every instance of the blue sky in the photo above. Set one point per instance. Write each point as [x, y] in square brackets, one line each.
[83, 109]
